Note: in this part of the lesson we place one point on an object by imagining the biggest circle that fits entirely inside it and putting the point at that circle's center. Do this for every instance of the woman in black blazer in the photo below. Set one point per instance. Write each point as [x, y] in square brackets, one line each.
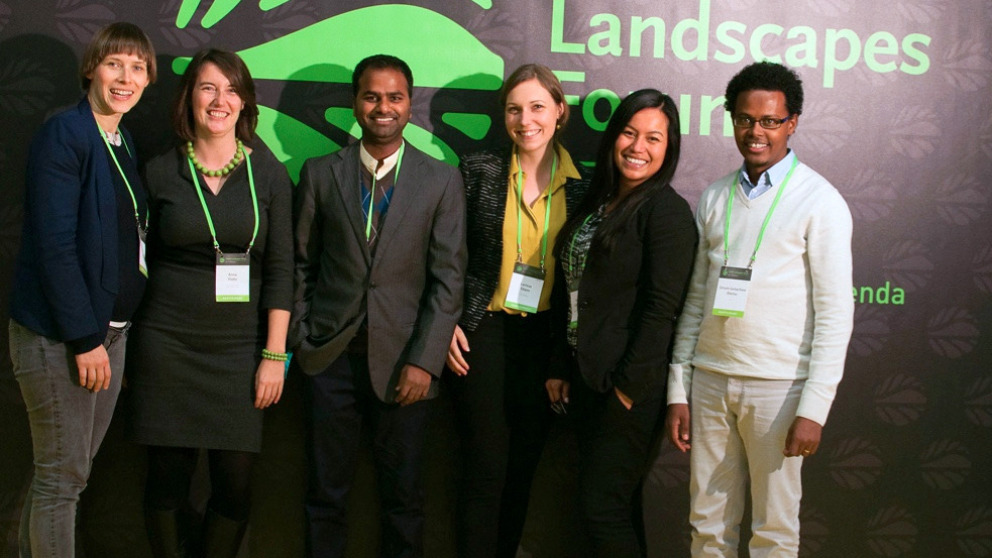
[500, 351]
[626, 256]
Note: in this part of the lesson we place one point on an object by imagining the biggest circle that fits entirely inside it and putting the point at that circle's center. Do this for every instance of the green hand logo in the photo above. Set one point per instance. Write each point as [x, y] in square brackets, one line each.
[220, 8]
[441, 54]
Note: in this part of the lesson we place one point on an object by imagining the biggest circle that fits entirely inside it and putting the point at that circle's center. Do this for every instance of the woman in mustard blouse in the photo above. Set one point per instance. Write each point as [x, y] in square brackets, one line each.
[518, 198]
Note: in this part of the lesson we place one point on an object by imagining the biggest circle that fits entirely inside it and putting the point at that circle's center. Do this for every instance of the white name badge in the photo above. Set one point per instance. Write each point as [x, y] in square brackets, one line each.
[233, 278]
[731, 292]
[573, 320]
[526, 284]
[142, 266]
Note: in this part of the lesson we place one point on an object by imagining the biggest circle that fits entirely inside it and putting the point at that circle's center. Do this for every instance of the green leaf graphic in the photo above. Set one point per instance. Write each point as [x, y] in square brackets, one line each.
[292, 141]
[474, 126]
[186, 11]
[425, 39]
[218, 11]
[266, 5]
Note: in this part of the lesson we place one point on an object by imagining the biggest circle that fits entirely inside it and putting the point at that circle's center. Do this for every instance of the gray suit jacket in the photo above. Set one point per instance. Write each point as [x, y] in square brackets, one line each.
[410, 292]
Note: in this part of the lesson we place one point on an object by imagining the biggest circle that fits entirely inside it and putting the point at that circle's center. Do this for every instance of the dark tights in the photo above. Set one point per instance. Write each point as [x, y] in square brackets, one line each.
[170, 471]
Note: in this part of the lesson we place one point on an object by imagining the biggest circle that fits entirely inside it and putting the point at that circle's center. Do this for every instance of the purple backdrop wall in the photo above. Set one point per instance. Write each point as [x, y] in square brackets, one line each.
[898, 116]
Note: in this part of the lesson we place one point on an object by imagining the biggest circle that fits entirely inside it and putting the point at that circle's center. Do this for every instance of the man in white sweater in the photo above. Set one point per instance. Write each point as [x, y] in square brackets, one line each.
[760, 346]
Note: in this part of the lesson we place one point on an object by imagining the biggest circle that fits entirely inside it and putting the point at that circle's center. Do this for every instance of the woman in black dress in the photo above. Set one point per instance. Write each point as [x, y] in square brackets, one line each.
[209, 344]
[626, 256]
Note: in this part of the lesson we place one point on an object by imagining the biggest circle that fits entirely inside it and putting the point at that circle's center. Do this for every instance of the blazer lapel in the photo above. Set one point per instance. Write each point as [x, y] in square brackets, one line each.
[347, 177]
[404, 195]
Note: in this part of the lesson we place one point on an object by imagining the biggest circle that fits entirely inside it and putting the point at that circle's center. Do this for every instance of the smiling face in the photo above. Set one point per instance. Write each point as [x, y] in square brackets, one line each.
[116, 84]
[382, 108]
[216, 103]
[640, 148]
[531, 116]
[763, 148]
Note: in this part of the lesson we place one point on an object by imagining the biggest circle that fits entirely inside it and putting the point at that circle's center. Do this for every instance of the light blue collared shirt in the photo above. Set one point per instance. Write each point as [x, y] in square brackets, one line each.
[768, 179]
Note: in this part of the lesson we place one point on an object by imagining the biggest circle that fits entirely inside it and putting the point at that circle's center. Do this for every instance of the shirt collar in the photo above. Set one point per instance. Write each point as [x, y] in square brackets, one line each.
[370, 163]
[771, 177]
[566, 169]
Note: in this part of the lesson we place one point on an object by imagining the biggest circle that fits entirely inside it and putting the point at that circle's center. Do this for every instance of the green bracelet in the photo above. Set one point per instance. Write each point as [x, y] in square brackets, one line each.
[271, 355]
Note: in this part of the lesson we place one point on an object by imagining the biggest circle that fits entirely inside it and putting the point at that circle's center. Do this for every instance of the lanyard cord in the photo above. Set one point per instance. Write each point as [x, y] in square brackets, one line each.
[547, 211]
[127, 183]
[764, 225]
[396, 179]
[206, 212]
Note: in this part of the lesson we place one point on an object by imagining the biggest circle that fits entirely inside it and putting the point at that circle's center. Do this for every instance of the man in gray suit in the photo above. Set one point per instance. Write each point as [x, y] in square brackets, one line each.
[380, 250]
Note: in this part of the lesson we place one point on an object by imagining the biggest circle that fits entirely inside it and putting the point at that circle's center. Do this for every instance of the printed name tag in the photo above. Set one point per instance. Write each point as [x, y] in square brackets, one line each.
[731, 292]
[526, 284]
[573, 320]
[233, 278]
[142, 266]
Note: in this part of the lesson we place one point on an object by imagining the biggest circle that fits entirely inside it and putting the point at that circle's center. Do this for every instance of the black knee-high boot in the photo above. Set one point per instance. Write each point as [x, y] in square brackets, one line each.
[222, 535]
[165, 533]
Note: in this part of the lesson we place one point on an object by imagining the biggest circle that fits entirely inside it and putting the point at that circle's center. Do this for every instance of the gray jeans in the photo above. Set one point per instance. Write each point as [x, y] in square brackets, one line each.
[68, 423]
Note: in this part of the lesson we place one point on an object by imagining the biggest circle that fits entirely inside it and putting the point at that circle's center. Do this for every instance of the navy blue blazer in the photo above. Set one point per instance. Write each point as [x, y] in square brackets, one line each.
[67, 278]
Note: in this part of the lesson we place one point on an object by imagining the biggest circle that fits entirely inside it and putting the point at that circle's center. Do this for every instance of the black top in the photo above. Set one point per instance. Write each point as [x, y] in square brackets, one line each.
[629, 298]
[192, 360]
[132, 282]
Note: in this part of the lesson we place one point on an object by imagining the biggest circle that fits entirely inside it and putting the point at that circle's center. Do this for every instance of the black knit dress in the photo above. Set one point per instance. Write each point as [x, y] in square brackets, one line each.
[192, 360]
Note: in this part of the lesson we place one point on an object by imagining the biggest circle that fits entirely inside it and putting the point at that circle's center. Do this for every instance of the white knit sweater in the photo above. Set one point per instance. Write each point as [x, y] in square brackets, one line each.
[800, 310]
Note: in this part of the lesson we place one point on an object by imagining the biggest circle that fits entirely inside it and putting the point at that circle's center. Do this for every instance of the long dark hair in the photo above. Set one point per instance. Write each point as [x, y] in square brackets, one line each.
[605, 183]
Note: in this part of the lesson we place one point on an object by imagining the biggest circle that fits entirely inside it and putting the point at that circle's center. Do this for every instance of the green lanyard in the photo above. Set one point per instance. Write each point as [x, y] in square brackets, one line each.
[764, 225]
[547, 211]
[396, 178]
[134, 201]
[203, 203]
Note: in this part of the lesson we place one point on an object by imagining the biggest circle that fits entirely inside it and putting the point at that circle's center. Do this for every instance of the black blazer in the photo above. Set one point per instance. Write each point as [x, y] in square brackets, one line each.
[630, 297]
[410, 293]
[485, 175]
[67, 279]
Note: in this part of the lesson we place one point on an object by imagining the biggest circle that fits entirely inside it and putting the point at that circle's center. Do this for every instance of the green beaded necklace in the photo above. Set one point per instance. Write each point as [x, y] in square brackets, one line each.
[239, 155]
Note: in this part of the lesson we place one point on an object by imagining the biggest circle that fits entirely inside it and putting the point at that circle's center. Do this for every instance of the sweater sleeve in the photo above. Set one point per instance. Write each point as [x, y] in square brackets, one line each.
[831, 270]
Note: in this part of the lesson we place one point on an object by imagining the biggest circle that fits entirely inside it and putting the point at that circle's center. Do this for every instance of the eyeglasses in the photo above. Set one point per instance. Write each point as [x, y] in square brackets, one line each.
[767, 122]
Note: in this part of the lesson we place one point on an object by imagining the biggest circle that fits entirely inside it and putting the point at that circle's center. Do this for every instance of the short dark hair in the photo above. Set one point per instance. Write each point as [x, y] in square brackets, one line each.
[117, 38]
[381, 62]
[235, 70]
[544, 76]
[606, 177]
[766, 76]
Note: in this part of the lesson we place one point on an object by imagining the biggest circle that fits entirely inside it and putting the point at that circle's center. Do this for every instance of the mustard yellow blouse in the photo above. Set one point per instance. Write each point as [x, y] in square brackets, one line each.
[532, 230]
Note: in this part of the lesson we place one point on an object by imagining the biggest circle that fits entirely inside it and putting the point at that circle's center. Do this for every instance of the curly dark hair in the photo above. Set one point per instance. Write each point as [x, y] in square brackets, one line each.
[767, 76]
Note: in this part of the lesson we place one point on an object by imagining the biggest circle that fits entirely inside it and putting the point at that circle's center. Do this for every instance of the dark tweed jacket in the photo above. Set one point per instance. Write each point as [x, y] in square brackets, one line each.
[485, 175]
